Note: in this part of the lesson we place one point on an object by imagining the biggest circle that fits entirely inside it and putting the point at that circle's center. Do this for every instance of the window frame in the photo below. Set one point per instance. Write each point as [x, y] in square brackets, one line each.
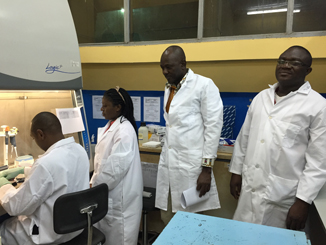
[288, 33]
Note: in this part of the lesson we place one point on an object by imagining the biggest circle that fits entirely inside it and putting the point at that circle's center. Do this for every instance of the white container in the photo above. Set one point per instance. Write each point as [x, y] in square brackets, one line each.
[142, 134]
[24, 161]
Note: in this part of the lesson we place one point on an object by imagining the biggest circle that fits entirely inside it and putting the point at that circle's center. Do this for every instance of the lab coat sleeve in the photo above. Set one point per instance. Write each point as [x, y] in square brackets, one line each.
[30, 195]
[212, 113]
[114, 168]
[241, 144]
[314, 174]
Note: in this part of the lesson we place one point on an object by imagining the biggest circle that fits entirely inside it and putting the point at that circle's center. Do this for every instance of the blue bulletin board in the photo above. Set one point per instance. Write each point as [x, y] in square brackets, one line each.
[93, 124]
[240, 100]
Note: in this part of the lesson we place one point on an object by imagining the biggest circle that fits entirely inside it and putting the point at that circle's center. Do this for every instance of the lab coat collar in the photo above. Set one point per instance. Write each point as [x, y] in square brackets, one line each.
[304, 89]
[190, 75]
[115, 124]
[102, 132]
[59, 144]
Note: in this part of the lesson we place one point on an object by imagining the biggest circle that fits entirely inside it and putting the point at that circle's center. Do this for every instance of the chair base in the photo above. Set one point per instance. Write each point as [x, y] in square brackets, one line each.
[81, 239]
[151, 237]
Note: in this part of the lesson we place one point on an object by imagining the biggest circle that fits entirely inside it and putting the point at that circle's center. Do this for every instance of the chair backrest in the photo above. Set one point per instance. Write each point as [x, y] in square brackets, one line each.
[66, 211]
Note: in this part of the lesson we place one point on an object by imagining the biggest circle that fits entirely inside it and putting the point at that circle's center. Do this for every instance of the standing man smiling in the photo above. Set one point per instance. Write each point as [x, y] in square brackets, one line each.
[193, 112]
[279, 161]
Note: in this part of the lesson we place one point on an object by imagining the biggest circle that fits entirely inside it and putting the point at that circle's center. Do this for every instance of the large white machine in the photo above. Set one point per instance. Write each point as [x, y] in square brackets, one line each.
[40, 68]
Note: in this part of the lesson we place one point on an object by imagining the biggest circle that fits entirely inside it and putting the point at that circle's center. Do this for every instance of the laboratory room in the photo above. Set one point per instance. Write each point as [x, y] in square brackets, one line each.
[136, 122]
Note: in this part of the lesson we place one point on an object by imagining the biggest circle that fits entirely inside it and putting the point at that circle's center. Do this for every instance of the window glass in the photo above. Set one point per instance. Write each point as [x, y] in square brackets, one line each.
[311, 16]
[98, 21]
[163, 19]
[244, 17]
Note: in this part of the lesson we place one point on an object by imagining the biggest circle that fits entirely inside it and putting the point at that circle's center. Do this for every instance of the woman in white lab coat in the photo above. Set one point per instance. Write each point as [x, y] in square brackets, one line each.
[117, 163]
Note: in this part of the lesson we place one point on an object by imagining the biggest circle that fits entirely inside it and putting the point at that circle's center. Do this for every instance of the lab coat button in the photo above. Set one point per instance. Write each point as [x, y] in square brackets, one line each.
[257, 166]
[253, 190]
[262, 141]
[270, 117]
[169, 147]
[170, 126]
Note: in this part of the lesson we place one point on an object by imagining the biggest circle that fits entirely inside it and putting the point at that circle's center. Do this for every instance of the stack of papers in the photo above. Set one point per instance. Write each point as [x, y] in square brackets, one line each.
[152, 144]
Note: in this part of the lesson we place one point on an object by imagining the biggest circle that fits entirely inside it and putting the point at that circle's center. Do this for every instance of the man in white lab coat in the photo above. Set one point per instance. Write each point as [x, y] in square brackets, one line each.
[193, 112]
[63, 168]
[279, 161]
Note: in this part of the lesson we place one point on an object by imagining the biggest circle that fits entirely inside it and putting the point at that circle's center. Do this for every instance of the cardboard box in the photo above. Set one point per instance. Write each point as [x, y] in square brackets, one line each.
[226, 145]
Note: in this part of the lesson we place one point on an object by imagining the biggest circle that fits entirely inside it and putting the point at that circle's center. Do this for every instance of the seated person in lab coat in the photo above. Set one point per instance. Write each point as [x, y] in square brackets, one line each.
[63, 168]
[279, 160]
[117, 163]
[193, 112]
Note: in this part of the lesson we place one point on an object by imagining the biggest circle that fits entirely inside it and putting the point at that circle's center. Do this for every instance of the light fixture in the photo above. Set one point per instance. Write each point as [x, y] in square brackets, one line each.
[269, 11]
[122, 10]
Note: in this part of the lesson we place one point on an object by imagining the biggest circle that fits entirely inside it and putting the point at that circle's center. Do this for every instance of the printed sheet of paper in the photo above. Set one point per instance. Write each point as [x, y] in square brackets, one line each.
[71, 120]
[136, 102]
[97, 104]
[191, 197]
[152, 109]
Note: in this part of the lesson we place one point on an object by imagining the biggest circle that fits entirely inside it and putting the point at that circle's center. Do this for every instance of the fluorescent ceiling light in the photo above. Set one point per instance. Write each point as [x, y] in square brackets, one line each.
[122, 10]
[269, 11]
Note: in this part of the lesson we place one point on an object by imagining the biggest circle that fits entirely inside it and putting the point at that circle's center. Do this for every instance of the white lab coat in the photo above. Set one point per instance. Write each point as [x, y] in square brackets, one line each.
[193, 128]
[63, 168]
[117, 163]
[280, 153]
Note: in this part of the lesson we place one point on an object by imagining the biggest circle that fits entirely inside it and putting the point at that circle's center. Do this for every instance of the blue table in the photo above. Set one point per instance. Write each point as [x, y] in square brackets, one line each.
[196, 229]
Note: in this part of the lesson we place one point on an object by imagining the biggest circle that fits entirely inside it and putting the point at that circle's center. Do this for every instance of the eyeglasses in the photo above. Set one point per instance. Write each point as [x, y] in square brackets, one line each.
[292, 63]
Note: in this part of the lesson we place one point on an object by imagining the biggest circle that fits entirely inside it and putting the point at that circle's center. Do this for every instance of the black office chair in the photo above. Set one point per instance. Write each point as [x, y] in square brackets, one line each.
[148, 205]
[80, 210]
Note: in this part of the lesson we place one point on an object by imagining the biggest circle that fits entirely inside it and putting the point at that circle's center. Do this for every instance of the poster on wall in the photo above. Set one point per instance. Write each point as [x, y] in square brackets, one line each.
[152, 109]
[97, 104]
[136, 102]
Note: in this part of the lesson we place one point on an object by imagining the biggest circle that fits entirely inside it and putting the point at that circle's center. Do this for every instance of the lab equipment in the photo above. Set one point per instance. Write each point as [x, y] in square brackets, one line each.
[24, 161]
[142, 133]
[38, 72]
[13, 133]
[6, 143]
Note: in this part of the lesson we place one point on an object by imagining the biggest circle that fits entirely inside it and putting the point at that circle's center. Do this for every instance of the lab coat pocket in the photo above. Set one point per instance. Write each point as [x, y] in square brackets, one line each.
[185, 115]
[281, 191]
[284, 133]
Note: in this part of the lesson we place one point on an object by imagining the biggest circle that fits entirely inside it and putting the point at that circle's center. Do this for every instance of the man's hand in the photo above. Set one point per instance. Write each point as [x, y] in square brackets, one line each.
[204, 181]
[297, 215]
[235, 185]
[3, 181]
[12, 172]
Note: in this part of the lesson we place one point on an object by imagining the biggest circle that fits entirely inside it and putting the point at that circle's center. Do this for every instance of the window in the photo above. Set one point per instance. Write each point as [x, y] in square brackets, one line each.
[311, 16]
[163, 19]
[234, 17]
[103, 21]
[98, 21]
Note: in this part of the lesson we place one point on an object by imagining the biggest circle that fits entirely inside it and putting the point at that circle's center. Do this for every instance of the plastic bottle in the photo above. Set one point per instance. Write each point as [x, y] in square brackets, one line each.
[142, 134]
